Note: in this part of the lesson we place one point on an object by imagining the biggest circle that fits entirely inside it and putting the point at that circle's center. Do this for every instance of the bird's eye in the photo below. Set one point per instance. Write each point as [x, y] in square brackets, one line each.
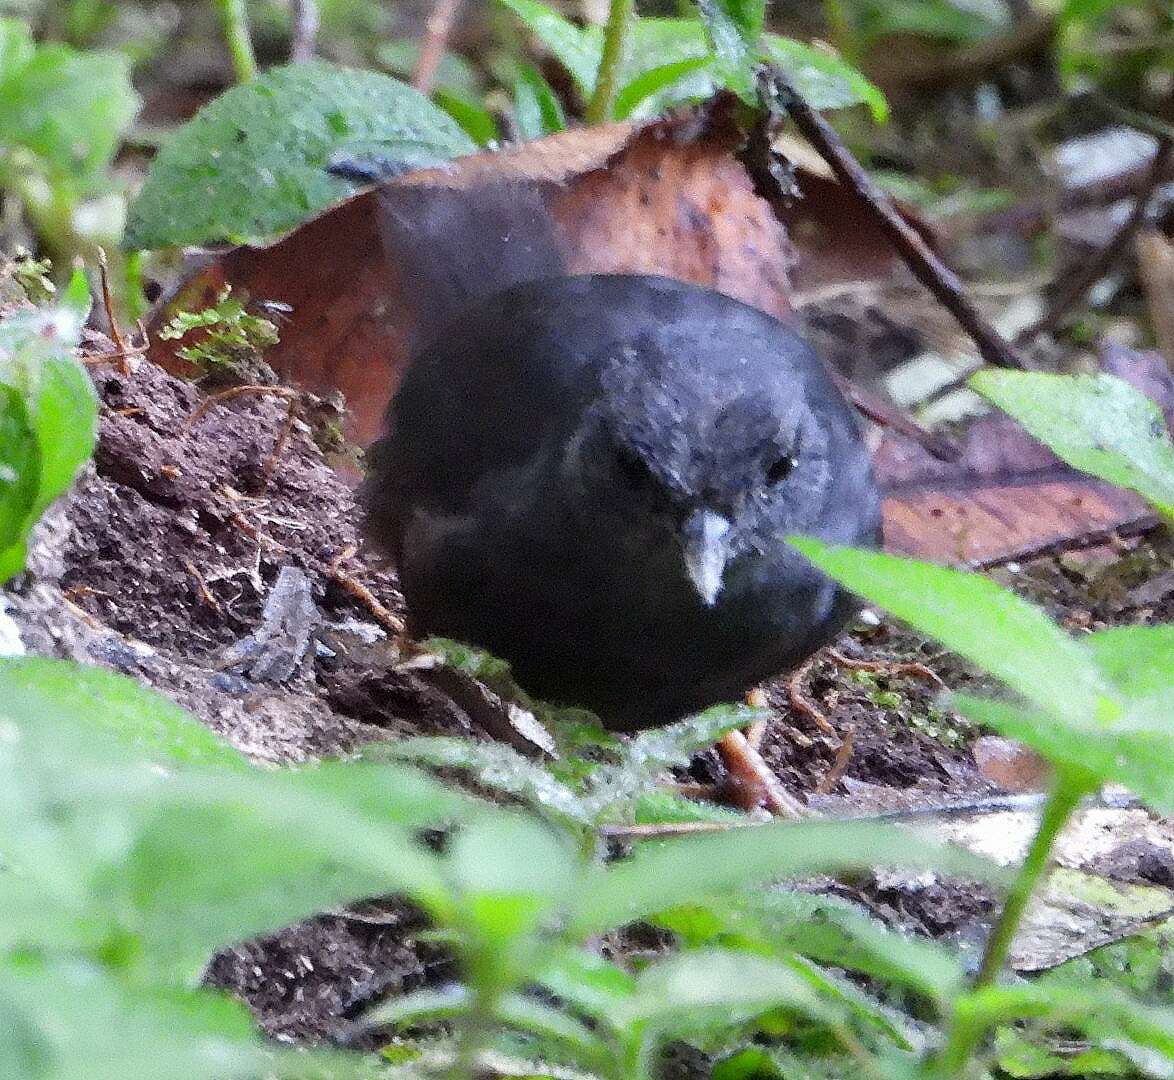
[633, 469]
[781, 469]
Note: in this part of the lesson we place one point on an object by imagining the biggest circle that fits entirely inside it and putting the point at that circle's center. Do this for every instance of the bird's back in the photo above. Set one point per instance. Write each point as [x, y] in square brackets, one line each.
[488, 554]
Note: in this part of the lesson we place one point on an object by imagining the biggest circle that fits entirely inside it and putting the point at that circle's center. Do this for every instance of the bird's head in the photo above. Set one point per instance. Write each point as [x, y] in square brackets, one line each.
[721, 460]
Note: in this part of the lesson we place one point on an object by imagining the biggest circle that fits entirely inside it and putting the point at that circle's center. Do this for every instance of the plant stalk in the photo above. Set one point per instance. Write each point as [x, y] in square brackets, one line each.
[236, 34]
[964, 1035]
[611, 62]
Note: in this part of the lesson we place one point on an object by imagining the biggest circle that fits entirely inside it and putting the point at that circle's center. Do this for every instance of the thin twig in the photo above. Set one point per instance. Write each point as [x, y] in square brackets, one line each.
[942, 282]
[236, 391]
[436, 32]
[803, 705]
[888, 415]
[236, 34]
[304, 22]
[282, 436]
[891, 668]
[201, 585]
[1096, 267]
[839, 766]
[120, 348]
[390, 622]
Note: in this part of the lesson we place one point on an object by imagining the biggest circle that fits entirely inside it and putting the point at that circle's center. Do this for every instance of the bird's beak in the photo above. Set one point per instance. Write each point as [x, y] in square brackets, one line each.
[707, 550]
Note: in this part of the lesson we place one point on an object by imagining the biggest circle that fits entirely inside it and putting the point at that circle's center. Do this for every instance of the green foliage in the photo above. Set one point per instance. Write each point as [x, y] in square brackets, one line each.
[941, 19]
[48, 415]
[597, 780]
[63, 114]
[136, 844]
[537, 109]
[669, 61]
[253, 163]
[1097, 423]
[228, 335]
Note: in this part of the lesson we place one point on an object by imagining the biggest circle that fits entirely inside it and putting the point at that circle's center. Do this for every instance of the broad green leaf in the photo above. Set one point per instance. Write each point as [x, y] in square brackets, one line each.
[152, 726]
[420, 1006]
[732, 45]
[253, 163]
[673, 995]
[496, 766]
[182, 860]
[67, 107]
[824, 80]
[1098, 1011]
[508, 854]
[747, 16]
[1096, 423]
[663, 874]
[528, 1014]
[943, 19]
[1134, 749]
[292, 842]
[63, 1023]
[1139, 660]
[823, 928]
[20, 470]
[572, 47]
[16, 47]
[652, 84]
[972, 615]
[477, 121]
[60, 408]
[587, 982]
[536, 106]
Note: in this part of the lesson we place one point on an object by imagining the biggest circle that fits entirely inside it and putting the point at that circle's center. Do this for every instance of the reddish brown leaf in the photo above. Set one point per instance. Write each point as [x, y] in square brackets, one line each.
[1007, 496]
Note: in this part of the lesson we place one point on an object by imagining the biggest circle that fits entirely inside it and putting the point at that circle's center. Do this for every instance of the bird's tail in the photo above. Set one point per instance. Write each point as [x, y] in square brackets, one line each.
[452, 246]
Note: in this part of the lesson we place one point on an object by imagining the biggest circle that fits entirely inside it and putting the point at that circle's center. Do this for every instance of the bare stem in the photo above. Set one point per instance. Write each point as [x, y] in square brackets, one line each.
[236, 34]
[615, 46]
[964, 1036]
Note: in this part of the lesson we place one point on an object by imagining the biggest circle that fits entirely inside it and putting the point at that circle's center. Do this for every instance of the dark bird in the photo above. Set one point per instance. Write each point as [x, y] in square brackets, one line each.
[593, 477]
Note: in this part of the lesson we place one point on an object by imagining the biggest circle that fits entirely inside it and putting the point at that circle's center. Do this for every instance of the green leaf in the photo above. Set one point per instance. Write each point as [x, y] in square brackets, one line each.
[420, 1006]
[62, 1023]
[68, 108]
[972, 615]
[16, 47]
[1139, 660]
[652, 84]
[145, 721]
[59, 406]
[508, 854]
[477, 121]
[253, 163]
[823, 928]
[1134, 749]
[825, 80]
[727, 22]
[176, 862]
[536, 106]
[20, 469]
[664, 874]
[1096, 423]
[673, 995]
[573, 48]
[496, 766]
[942, 19]
[1103, 1013]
